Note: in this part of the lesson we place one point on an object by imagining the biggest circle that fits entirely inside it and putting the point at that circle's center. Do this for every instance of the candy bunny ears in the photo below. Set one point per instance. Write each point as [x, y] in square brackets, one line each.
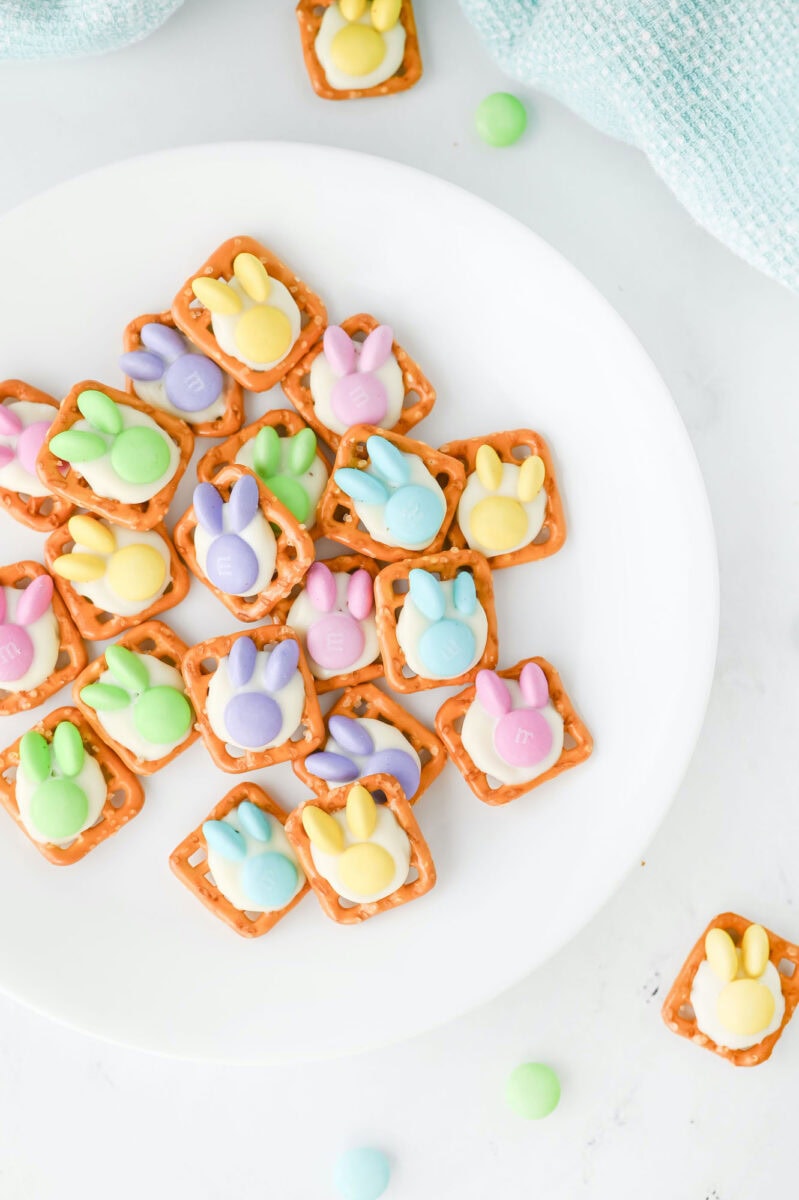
[192, 382]
[28, 440]
[279, 669]
[357, 743]
[241, 506]
[320, 584]
[347, 357]
[428, 595]
[33, 603]
[493, 694]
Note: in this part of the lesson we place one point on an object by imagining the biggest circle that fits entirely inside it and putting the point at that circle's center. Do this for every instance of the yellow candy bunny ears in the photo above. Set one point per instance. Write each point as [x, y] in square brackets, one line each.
[745, 1006]
[532, 473]
[383, 14]
[365, 867]
[135, 572]
[263, 333]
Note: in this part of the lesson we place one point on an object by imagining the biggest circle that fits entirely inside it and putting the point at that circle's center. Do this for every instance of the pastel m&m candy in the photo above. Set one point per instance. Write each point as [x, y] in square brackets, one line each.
[501, 119]
[533, 1091]
[361, 1174]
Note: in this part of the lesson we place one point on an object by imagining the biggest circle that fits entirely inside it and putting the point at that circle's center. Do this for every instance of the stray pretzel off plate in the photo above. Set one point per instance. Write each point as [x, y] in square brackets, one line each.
[153, 638]
[678, 1013]
[222, 426]
[410, 72]
[447, 565]
[421, 860]
[284, 421]
[297, 387]
[554, 526]
[124, 796]
[72, 485]
[198, 674]
[194, 875]
[194, 319]
[366, 700]
[342, 563]
[70, 644]
[295, 550]
[41, 513]
[337, 515]
[449, 719]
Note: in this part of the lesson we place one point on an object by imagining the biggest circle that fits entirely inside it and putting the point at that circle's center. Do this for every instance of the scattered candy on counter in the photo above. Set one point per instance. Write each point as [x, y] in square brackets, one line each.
[362, 1174]
[532, 1091]
[500, 119]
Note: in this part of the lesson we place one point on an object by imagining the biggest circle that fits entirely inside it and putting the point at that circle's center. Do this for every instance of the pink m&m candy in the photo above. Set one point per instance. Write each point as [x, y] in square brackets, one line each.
[523, 738]
[335, 641]
[359, 400]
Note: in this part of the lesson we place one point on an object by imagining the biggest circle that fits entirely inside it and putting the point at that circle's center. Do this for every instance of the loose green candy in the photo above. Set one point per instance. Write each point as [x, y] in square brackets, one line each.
[104, 697]
[34, 756]
[127, 667]
[100, 411]
[302, 451]
[266, 451]
[68, 748]
[501, 119]
[140, 455]
[59, 809]
[162, 715]
[533, 1091]
[290, 493]
[77, 445]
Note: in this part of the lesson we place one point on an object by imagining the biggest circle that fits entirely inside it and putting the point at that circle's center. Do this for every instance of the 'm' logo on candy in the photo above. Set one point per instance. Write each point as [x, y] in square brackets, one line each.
[10, 652]
[523, 736]
[334, 640]
[194, 383]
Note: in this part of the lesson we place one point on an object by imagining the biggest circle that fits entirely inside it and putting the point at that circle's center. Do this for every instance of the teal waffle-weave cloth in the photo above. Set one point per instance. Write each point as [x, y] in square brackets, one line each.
[60, 28]
[708, 89]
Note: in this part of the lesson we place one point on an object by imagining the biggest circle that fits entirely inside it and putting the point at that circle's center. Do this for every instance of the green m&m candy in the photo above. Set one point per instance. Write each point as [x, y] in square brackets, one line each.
[533, 1091]
[501, 119]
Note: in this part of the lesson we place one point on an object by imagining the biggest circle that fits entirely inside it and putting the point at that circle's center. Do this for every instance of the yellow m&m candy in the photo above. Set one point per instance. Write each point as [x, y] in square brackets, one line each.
[136, 572]
[263, 334]
[498, 522]
[358, 49]
[366, 869]
[745, 1007]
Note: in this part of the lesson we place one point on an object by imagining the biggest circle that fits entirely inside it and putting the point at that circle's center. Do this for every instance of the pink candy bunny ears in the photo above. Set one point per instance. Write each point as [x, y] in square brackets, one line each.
[28, 443]
[16, 648]
[493, 694]
[320, 584]
[522, 736]
[358, 394]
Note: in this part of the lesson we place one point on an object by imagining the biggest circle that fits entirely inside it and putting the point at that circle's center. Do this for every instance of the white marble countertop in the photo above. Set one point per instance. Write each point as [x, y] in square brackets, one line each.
[643, 1113]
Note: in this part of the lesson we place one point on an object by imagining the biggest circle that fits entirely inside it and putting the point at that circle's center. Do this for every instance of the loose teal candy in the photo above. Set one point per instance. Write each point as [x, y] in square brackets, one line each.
[104, 697]
[426, 593]
[100, 411]
[127, 667]
[501, 119]
[464, 593]
[255, 821]
[225, 840]
[388, 460]
[68, 748]
[361, 486]
[59, 809]
[140, 455]
[34, 756]
[361, 1174]
[414, 514]
[77, 445]
[447, 648]
[162, 715]
[533, 1091]
[270, 880]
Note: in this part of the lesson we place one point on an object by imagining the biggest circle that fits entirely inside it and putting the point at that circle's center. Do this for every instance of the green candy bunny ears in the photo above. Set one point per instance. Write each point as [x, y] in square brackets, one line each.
[139, 454]
[161, 714]
[279, 462]
[59, 807]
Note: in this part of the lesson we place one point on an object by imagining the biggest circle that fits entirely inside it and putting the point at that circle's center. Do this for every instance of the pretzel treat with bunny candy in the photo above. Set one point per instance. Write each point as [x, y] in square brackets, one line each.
[346, 382]
[167, 372]
[69, 792]
[358, 48]
[125, 459]
[368, 733]
[110, 577]
[333, 614]
[254, 698]
[389, 494]
[240, 864]
[35, 633]
[436, 620]
[511, 509]
[283, 453]
[247, 311]
[358, 855]
[513, 730]
[25, 418]
[227, 538]
[736, 992]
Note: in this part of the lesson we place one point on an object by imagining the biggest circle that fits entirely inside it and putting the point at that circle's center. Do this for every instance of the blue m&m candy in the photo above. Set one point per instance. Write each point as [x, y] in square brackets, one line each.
[361, 1174]
[447, 648]
[270, 880]
[414, 514]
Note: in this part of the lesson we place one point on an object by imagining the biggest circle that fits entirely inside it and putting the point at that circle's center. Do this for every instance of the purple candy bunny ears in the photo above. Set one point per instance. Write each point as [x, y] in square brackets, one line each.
[28, 440]
[361, 758]
[320, 584]
[192, 382]
[253, 718]
[231, 564]
[358, 395]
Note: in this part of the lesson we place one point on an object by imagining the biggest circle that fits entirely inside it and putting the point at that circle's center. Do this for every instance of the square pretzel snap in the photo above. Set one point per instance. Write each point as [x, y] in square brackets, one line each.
[254, 698]
[125, 463]
[517, 736]
[318, 31]
[40, 648]
[332, 610]
[284, 454]
[240, 541]
[396, 487]
[134, 698]
[361, 857]
[392, 732]
[436, 620]
[25, 417]
[247, 837]
[100, 568]
[68, 786]
[189, 385]
[348, 376]
[734, 967]
[245, 301]
[511, 508]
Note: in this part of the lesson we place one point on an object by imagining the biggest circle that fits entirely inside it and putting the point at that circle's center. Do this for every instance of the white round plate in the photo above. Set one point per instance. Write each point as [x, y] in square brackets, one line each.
[511, 336]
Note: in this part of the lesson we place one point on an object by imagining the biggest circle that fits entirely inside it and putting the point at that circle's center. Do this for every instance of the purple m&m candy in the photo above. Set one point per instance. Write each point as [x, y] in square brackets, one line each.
[232, 565]
[252, 720]
[193, 382]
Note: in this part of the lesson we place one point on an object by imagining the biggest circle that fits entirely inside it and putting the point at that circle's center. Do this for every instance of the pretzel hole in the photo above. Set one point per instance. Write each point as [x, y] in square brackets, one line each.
[407, 673]
[234, 751]
[424, 755]
[400, 71]
[379, 796]
[521, 452]
[146, 645]
[397, 611]
[569, 740]
[457, 724]
[63, 660]
[493, 782]
[543, 536]
[305, 317]
[282, 429]
[117, 798]
[220, 466]
[413, 875]
[23, 582]
[104, 617]
[686, 1012]
[787, 967]
[361, 708]
[168, 660]
[10, 774]
[412, 397]
[208, 666]
[442, 479]
[208, 877]
[46, 506]
[735, 935]
[342, 903]
[342, 515]
[299, 733]
[400, 586]
[197, 857]
[305, 380]
[252, 917]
